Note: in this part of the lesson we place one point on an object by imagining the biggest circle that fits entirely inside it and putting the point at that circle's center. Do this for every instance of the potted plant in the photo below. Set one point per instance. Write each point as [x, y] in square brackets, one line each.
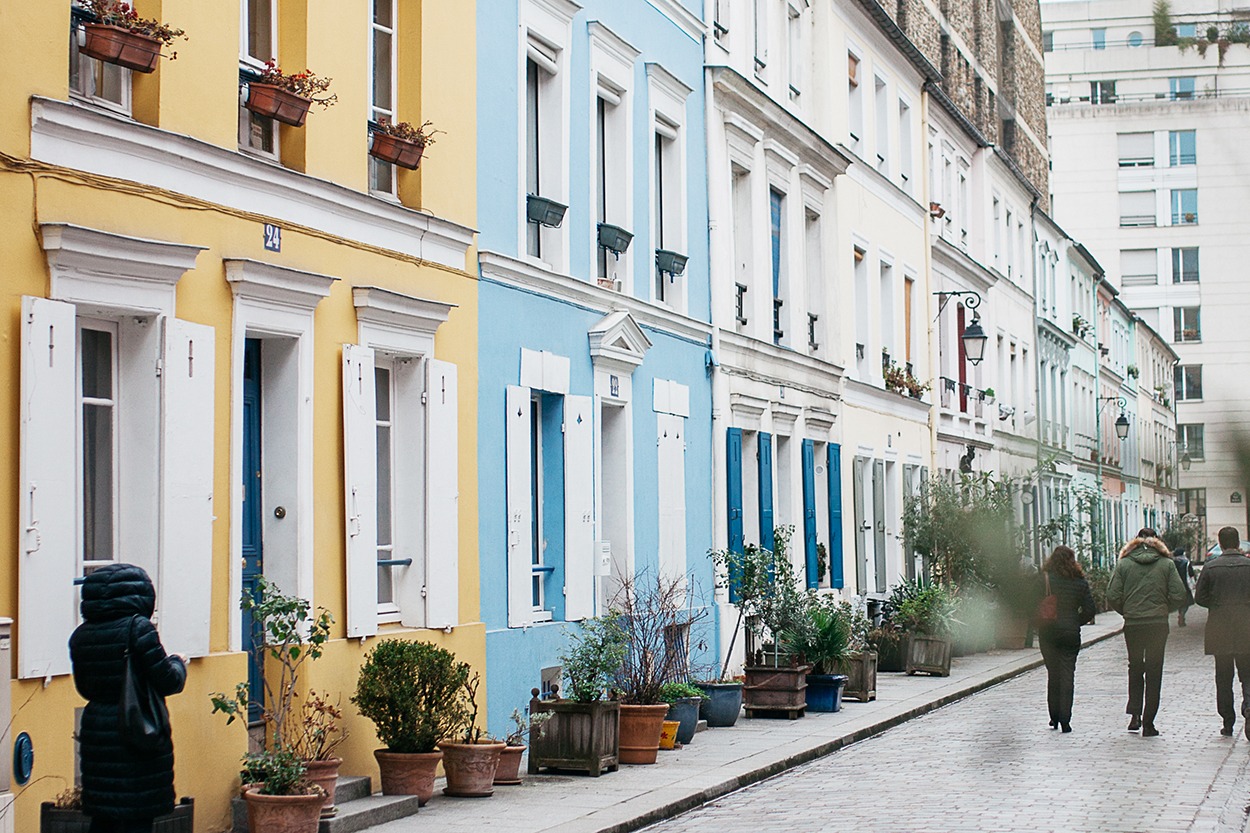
[860, 663]
[652, 617]
[412, 693]
[399, 143]
[583, 732]
[926, 617]
[822, 636]
[319, 734]
[509, 770]
[683, 701]
[119, 36]
[470, 756]
[65, 815]
[722, 701]
[286, 635]
[287, 98]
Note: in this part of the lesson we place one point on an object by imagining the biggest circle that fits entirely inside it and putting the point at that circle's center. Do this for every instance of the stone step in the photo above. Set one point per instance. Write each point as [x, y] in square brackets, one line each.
[358, 808]
[701, 726]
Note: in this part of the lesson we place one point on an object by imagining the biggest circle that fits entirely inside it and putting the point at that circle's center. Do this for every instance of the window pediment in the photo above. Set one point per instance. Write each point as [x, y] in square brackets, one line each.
[617, 341]
[260, 281]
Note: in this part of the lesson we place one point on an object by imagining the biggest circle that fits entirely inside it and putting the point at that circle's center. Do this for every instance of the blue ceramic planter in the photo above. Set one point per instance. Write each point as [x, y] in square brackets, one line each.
[824, 692]
[686, 712]
[724, 703]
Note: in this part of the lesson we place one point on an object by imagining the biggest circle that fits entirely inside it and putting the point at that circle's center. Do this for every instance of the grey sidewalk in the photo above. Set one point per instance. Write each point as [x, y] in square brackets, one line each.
[720, 760]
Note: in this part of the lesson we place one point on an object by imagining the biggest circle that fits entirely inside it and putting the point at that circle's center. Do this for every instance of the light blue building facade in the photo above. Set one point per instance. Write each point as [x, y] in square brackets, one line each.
[594, 406]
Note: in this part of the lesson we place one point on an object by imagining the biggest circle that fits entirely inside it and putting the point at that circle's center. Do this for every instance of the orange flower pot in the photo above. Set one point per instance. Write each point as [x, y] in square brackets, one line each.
[115, 45]
[274, 102]
[395, 150]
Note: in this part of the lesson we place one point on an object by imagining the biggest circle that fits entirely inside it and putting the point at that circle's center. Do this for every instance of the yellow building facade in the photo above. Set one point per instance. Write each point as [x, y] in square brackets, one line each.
[235, 347]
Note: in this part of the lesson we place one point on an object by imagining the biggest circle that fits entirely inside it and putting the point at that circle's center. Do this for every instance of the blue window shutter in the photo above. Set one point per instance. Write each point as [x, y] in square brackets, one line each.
[733, 479]
[766, 490]
[836, 580]
[809, 513]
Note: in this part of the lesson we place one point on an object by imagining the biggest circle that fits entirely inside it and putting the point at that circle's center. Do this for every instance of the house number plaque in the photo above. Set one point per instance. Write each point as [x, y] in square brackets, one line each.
[273, 237]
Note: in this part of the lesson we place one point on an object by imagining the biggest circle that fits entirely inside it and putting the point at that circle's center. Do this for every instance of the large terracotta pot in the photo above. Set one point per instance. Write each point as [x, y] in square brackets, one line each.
[470, 768]
[283, 813]
[640, 732]
[116, 45]
[508, 773]
[325, 774]
[408, 773]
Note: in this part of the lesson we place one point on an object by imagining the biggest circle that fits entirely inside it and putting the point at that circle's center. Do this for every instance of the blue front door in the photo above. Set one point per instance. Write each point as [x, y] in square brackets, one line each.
[253, 549]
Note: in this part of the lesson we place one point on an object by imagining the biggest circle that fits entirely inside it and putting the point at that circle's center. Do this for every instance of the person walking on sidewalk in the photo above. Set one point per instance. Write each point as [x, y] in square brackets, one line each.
[1186, 571]
[1145, 589]
[1060, 636]
[1224, 589]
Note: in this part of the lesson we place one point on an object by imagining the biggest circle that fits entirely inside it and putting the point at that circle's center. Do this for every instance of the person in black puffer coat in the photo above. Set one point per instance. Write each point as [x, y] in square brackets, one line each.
[1060, 639]
[123, 789]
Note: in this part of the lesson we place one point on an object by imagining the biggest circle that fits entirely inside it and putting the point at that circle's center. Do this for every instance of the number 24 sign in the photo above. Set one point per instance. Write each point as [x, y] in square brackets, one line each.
[273, 237]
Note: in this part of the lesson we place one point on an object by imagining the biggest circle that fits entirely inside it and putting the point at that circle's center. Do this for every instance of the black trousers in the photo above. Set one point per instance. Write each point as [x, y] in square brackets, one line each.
[99, 825]
[1146, 644]
[1059, 650]
[1224, 664]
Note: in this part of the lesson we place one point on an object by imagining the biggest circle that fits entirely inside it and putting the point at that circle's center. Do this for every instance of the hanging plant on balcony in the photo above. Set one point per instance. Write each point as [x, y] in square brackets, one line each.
[399, 143]
[287, 98]
[119, 36]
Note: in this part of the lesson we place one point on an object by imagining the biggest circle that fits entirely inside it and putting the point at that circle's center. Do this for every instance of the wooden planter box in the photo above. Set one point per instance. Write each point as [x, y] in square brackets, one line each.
[776, 691]
[893, 656]
[861, 669]
[52, 820]
[115, 45]
[931, 654]
[583, 737]
[273, 102]
[397, 151]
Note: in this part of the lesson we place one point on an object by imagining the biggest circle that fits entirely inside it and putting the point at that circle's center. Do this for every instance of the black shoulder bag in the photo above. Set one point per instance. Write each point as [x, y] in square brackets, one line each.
[141, 711]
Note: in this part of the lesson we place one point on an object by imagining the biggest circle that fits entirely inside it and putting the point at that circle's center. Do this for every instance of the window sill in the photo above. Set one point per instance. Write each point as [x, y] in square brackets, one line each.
[102, 104]
[541, 616]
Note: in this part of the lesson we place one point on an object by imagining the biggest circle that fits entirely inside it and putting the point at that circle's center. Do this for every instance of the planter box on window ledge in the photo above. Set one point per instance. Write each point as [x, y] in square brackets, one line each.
[543, 211]
[614, 238]
[115, 45]
[670, 262]
[274, 102]
[397, 151]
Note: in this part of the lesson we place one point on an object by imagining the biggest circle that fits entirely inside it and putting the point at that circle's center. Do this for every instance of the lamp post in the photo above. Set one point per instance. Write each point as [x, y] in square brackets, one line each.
[1121, 431]
[973, 336]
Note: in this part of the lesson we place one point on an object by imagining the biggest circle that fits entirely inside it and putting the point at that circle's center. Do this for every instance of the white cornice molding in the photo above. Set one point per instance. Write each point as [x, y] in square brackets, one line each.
[266, 282]
[870, 397]
[88, 266]
[819, 419]
[760, 361]
[668, 83]
[611, 43]
[394, 309]
[686, 20]
[564, 10]
[746, 411]
[84, 139]
[784, 417]
[617, 342]
[962, 264]
[512, 272]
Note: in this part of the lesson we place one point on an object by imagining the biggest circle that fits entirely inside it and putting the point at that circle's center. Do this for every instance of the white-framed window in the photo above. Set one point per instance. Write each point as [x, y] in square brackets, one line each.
[760, 42]
[103, 84]
[906, 151]
[671, 403]
[778, 245]
[796, 52]
[888, 309]
[1188, 382]
[855, 99]
[612, 67]
[258, 43]
[1137, 208]
[382, 77]
[400, 436]
[668, 198]
[814, 254]
[720, 19]
[744, 247]
[881, 103]
[1139, 267]
[116, 460]
[1136, 150]
[544, 107]
[863, 334]
[1187, 324]
[538, 541]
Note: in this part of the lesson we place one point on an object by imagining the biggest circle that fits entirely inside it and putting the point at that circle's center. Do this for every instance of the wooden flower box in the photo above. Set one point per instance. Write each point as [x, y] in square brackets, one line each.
[52, 819]
[776, 691]
[115, 45]
[582, 737]
[861, 671]
[276, 103]
[931, 654]
[397, 151]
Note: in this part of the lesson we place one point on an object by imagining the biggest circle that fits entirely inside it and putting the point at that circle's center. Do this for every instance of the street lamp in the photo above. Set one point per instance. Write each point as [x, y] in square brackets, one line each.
[1121, 431]
[1121, 426]
[1186, 462]
[973, 336]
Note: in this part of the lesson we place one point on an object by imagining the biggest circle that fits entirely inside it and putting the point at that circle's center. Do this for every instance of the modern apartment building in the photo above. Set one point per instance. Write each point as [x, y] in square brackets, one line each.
[1150, 171]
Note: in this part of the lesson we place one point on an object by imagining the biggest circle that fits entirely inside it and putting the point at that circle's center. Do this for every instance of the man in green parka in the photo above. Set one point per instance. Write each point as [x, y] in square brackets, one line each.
[1145, 588]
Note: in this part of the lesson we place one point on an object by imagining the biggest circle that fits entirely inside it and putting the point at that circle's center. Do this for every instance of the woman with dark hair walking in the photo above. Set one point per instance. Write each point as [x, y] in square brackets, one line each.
[1067, 605]
[126, 782]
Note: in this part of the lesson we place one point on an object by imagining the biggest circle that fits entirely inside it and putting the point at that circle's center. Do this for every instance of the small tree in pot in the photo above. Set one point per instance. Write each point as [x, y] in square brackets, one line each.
[821, 635]
[583, 732]
[926, 614]
[509, 770]
[470, 757]
[412, 692]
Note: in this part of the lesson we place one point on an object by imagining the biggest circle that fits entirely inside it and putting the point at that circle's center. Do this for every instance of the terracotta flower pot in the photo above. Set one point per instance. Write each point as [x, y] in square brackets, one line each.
[395, 150]
[408, 773]
[283, 813]
[470, 768]
[509, 770]
[274, 102]
[116, 45]
[325, 774]
[640, 732]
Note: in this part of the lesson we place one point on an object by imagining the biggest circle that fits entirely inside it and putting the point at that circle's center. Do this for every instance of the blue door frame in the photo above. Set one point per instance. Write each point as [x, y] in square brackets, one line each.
[733, 481]
[811, 557]
[253, 544]
[836, 579]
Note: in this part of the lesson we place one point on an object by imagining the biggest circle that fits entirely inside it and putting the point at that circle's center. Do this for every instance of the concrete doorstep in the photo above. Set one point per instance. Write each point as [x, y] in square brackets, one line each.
[720, 761]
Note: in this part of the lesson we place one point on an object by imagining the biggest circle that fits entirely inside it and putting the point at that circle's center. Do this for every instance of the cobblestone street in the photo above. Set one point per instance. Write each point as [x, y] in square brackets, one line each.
[990, 763]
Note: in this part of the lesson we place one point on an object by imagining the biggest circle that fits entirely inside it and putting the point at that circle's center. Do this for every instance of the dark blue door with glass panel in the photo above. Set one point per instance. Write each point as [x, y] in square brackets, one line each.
[253, 549]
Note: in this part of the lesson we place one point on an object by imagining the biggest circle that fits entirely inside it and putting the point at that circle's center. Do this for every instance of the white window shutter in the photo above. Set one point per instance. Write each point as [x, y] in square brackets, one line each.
[442, 493]
[520, 566]
[579, 508]
[671, 494]
[185, 600]
[47, 500]
[360, 468]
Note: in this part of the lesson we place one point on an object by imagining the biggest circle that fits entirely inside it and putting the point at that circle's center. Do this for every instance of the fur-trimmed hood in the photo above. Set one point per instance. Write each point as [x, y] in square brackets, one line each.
[1145, 550]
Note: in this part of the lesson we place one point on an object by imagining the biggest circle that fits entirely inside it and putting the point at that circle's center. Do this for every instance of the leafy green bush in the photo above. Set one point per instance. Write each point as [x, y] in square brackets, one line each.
[413, 694]
[278, 771]
[821, 634]
[594, 656]
[672, 692]
[924, 609]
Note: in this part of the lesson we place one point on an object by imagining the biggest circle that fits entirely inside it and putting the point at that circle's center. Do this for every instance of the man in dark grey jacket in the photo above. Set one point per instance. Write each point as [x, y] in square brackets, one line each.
[1224, 589]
